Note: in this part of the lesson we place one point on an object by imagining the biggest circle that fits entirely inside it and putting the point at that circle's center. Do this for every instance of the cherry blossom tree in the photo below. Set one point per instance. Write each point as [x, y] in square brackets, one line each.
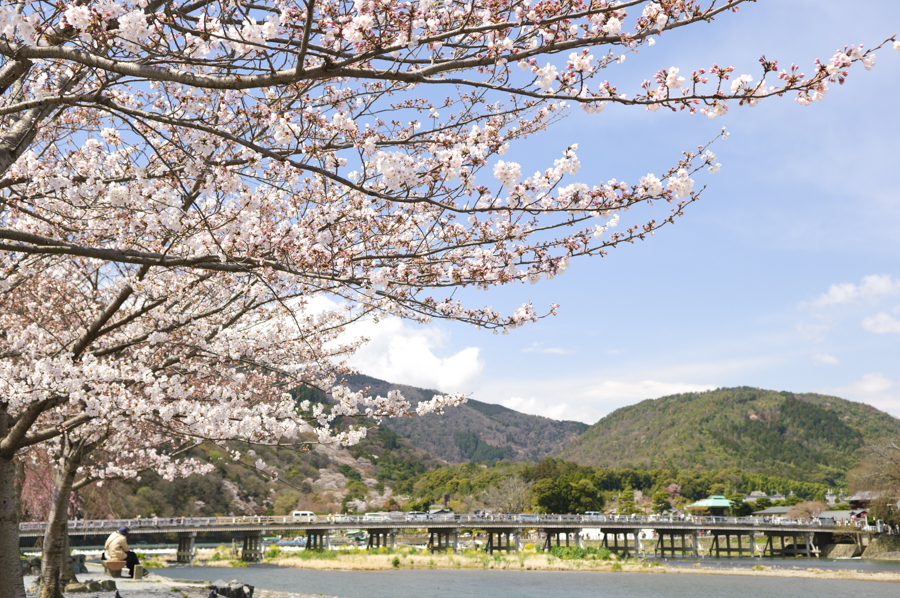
[99, 453]
[180, 182]
[155, 363]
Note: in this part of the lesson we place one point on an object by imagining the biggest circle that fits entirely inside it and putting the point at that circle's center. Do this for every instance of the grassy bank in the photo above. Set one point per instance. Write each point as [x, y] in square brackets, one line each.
[563, 560]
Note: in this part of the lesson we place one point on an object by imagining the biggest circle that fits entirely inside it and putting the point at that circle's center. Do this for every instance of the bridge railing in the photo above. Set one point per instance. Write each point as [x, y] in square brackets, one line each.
[169, 524]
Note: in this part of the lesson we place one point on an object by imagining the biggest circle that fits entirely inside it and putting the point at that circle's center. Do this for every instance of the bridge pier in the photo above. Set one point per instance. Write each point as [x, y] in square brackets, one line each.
[380, 537]
[807, 549]
[443, 539]
[252, 550]
[556, 532]
[500, 546]
[186, 550]
[730, 551]
[683, 548]
[317, 539]
[625, 549]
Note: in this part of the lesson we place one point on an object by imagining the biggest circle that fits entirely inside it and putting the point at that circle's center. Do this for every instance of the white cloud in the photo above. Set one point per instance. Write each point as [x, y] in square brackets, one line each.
[881, 323]
[535, 406]
[540, 348]
[875, 389]
[873, 286]
[824, 359]
[814, 331]
[585, 399]
[405, 354]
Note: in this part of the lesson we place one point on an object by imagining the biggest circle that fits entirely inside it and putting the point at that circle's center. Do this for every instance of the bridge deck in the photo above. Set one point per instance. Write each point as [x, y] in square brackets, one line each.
[491, 522]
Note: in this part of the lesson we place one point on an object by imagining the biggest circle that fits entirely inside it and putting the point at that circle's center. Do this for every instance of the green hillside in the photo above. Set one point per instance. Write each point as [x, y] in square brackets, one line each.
[808, 437]
[475, 431]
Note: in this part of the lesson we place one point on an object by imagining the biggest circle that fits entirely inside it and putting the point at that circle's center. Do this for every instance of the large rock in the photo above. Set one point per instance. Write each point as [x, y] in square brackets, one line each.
[94, 586]
[108, 585]
[233, 589]
[78, 565]
[76, 588]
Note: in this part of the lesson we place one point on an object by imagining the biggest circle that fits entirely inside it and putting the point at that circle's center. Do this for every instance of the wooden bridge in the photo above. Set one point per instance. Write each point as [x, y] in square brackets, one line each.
[724, 536]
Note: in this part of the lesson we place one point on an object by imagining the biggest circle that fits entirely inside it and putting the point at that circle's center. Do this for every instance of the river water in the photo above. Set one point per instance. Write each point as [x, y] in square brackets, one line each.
[465, 583]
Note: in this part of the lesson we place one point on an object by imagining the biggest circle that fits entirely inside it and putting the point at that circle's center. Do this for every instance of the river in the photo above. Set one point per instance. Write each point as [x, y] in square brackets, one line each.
[444, 583]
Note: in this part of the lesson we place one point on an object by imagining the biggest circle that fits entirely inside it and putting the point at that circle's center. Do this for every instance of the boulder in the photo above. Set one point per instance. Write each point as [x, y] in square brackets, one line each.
[78, 565]
[76, 588]
[240, 590]
[26, 567]
[108, 585]
[94, 586]
[233, 589]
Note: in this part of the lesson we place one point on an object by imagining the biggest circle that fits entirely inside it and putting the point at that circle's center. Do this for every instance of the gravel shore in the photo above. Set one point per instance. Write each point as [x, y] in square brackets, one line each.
[156, 586]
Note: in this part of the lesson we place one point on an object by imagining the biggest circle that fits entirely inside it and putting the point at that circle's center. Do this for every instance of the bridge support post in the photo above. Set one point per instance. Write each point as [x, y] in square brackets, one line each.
[316, 539]
[186, 551]
[252, 551]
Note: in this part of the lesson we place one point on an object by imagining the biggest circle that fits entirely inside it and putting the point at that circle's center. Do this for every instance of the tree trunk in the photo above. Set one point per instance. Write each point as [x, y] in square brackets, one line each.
[20, 483]
[10, 563]
[67, 574]
[58, 522]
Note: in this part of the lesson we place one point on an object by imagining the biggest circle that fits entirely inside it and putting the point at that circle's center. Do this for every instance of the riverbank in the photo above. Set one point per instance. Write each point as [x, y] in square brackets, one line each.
[532, 561]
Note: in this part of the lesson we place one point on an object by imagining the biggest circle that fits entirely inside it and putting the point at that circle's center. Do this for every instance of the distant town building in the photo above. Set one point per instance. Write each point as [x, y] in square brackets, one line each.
[714, 505]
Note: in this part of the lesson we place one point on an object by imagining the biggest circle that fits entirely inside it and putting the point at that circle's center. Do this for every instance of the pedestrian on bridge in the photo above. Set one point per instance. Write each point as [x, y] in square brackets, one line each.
[117, 549]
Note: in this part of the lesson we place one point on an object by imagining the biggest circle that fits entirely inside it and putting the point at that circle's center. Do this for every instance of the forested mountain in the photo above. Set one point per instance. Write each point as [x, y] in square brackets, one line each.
[808, 437]
[779, 441]
[475, 431]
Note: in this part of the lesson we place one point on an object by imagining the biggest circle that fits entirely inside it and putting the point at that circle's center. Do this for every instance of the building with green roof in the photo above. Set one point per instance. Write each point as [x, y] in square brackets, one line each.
[714, 505]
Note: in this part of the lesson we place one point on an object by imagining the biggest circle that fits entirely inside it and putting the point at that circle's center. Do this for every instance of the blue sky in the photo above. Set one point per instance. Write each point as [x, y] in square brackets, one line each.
[784, 276]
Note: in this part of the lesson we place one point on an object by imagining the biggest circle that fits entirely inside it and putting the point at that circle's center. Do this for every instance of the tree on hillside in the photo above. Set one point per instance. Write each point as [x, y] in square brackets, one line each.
[512, 494]
[625, 504]
[661, 501]
[185, 189]
[807, 509]
[739, 508]
[880, 473]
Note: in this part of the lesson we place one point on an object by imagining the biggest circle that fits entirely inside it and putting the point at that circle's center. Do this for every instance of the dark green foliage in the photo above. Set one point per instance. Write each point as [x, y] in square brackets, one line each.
[306, 393]
[474, 449]
[566, 487]
[574, 492]
[576, 552]
[350, 473]
[388, 439]
[739, 508]
[761, 504]
[660, 501]
[396, 469]
[808, 437]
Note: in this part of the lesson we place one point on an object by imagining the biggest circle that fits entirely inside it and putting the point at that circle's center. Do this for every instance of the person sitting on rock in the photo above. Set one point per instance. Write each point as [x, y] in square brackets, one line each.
[117, 549]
